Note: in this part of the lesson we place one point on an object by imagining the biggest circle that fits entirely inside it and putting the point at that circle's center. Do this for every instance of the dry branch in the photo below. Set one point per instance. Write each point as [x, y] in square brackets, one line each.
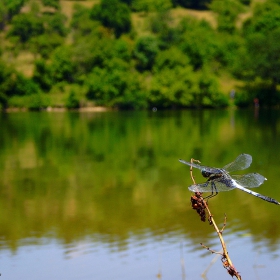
[201, 207]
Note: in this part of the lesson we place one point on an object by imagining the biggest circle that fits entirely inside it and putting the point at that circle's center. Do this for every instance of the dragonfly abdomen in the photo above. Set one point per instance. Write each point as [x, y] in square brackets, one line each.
[266, 198]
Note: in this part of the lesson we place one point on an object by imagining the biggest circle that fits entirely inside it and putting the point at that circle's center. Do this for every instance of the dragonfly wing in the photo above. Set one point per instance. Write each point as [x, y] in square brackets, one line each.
[243, 161]
[217, 185]
[201, 167]
[250, 180]
[224, 184]
[205, 187]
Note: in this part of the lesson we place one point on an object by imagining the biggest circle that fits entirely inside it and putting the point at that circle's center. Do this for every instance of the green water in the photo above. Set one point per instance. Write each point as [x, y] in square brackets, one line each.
[106, 178]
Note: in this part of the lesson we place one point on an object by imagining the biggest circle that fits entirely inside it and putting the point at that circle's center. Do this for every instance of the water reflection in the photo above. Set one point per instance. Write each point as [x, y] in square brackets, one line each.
[113, 178]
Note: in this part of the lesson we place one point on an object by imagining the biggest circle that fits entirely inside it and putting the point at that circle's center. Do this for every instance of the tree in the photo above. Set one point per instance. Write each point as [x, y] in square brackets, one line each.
[116, 85]
[160, 22]
[172, 87]
[182, 87]
[264, 62]
[9, 8]
[62, 67]
[13, 7]
[5, 76]
[53, 36]
[13, 83]
[266, 17]
[193, 4]
[170, 59]
[151, 6]
[42, 75]
[45, 44]
[80, 14]
[113, 14]
[127, 2]
[260, 62]
[145, 52]
[227, 12]
[84, 26]
[246, 2]
[92, 52]
[51, 3]
[72, 101]
[20, 85]
[3, 13]
[26, 26]
[199, 41]
[206, 92]
[56, 24]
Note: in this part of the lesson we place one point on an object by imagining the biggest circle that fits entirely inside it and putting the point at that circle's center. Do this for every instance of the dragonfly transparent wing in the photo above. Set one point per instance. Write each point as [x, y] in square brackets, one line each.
[250, 180]
[204, 187]
[243, 161]
[201, 167]
[218, 185]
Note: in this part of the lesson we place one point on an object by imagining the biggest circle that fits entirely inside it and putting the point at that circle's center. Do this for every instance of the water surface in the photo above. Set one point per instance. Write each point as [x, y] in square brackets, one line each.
[103, 195]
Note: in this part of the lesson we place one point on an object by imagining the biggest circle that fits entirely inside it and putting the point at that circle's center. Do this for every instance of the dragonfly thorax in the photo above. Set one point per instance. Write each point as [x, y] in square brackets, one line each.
[205, 173]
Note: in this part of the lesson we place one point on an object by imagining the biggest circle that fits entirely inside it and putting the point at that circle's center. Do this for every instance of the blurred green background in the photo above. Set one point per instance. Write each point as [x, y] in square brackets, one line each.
[132, 54]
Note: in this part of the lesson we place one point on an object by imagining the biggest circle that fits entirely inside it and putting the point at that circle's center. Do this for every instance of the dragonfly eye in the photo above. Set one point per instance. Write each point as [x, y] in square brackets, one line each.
[205, 173]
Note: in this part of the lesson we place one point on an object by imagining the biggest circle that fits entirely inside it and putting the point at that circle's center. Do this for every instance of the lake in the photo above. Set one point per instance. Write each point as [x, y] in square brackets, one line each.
[103, 195]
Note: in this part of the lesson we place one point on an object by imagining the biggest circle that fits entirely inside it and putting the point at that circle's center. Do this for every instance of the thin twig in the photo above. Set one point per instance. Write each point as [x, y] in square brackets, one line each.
[192, 161]
[200, 204]
[224, 225]
[210, 250]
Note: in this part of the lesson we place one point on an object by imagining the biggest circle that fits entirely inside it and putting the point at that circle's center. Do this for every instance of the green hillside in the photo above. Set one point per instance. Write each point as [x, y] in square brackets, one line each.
[134, 54]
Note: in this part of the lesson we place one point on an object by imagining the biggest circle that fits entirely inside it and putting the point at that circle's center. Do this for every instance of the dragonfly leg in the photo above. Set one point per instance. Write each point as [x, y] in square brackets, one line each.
[214, 191]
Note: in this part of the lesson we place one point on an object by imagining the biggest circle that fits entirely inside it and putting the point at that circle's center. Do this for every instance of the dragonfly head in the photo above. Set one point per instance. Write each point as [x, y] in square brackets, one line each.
[205, 173]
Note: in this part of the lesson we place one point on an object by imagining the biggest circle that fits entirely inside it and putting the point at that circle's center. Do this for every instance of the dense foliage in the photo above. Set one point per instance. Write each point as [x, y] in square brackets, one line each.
[134, 54]
[9, 8]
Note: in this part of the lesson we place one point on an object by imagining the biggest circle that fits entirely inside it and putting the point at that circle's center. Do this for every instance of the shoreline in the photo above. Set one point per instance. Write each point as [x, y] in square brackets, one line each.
[59, 109]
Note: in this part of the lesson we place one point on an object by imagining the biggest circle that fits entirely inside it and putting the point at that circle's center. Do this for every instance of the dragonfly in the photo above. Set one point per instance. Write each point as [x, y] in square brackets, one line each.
[219, 179]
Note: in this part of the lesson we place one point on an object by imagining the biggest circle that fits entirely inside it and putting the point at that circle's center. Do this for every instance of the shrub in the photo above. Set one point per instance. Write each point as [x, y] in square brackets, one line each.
[113, 14]
[145, 52]
[72, 101]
